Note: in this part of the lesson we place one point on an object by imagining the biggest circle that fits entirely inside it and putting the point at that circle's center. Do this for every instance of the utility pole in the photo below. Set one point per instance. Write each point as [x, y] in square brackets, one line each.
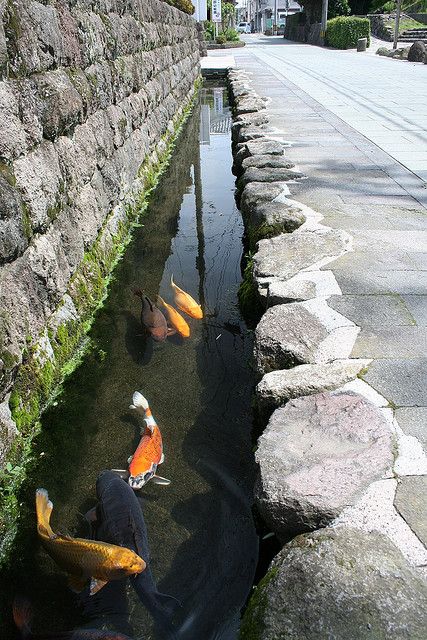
[275, 18]
[324, 20]
[396, 24]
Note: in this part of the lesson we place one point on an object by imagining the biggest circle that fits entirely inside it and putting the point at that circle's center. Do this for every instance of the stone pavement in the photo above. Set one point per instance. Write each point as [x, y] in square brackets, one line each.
[384, 100]
[360, 188]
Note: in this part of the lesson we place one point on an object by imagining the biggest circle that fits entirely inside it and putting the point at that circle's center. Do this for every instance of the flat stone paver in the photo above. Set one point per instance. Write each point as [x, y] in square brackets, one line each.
[373, 310]
[413, 421]
[411, 503]
[402, 382]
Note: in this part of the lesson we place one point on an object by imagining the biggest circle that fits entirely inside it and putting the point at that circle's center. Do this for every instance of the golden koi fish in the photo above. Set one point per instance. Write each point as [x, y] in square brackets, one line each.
[186, 303]
[83, 559]
[175, 319]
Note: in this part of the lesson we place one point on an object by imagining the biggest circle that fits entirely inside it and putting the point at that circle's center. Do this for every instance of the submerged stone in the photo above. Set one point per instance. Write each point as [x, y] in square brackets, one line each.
[341, 585]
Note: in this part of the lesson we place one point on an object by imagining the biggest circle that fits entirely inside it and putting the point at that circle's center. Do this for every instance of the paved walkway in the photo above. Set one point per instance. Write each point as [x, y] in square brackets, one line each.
[384, 99]
[359, 187]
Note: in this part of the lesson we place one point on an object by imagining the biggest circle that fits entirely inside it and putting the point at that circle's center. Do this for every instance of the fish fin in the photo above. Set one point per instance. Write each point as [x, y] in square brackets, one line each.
[160, 300]
[76, 583]
[150, 303]
[132, 406]
[130, 459]
[139, 402]
[122, 473]
[96, 585]
[159, 480]
[44, 509]
[172, 282]
[162, 458]
[22, 615]
[171, 332]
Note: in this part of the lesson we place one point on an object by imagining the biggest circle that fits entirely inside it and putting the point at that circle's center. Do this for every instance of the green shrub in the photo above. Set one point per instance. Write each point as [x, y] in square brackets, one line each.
[183, 5]
[338, 8]
[231, 35]
[343, 33]
[220, 39]
[209, 30]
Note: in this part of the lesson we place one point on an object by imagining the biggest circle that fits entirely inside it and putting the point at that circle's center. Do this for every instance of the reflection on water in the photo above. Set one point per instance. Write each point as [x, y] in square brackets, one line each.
[202, 537]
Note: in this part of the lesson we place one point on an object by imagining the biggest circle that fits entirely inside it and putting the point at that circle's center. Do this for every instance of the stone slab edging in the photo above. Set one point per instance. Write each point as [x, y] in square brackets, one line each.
[302, 351]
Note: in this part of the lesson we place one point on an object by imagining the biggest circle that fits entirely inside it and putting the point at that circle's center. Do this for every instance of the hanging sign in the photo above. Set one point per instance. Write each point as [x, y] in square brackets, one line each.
[216, 10]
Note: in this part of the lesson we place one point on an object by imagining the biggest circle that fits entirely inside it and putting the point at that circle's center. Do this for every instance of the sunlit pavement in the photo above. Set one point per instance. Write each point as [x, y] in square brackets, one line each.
[383, 99]
[347, 116]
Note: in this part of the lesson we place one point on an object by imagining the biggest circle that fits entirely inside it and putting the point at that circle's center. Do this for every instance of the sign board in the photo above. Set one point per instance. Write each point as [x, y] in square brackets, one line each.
[218, 101]
[216, 10]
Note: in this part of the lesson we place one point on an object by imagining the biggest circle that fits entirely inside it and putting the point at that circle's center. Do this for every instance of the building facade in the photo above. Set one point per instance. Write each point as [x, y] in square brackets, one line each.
[265, 15]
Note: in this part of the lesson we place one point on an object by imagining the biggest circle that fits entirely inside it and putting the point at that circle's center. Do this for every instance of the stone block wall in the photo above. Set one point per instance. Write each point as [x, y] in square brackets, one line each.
[91, 95]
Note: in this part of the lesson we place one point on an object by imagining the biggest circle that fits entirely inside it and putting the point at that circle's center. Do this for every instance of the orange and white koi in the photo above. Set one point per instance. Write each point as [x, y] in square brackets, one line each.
[186, 303]
[83, 559]
[149, 453]
[175, 319]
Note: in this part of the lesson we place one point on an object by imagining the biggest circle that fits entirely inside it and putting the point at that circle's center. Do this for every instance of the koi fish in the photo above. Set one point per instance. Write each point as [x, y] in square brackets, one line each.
[186, 303]
[152, 319]
[149, 453]
[120, 520]
[175, 319]
[23, 614]
[83, 559]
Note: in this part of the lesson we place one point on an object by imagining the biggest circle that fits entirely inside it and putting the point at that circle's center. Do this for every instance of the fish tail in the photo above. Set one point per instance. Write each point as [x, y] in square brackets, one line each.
[139, 401]
[44, 509]
[22, 615]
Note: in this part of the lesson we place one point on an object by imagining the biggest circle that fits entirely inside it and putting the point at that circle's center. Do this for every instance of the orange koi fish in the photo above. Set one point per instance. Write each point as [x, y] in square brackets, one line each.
[83, 559]
[186, 303]
[175, 319]
[149, 453]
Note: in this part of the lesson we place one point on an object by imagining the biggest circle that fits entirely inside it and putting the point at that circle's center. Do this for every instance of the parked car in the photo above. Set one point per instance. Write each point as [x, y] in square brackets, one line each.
[244, 27]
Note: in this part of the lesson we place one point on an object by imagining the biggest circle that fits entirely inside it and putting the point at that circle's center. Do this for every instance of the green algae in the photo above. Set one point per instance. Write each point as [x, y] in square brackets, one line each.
[253, 619]
[249, 300]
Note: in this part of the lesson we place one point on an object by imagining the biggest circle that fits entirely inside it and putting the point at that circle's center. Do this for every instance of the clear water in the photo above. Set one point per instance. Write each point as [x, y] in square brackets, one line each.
[202, 536]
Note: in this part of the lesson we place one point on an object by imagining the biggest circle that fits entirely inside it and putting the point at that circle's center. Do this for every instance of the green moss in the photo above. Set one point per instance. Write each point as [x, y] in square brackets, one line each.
[26, 221]
[39, 379]
[254, 234]
[253, 625]
[8, 358]
[249, 300]
[7, 173]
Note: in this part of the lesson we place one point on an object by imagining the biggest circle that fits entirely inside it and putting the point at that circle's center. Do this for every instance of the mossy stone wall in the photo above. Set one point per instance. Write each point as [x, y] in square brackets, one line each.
[92, 94]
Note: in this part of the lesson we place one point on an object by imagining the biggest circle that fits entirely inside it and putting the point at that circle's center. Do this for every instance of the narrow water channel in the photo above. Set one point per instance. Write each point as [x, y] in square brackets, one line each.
[202, 537]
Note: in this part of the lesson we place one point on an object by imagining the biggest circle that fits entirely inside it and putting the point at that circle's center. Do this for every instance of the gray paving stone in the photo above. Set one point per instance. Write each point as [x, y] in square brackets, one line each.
[402, 382]
[411, 503]
[413, 421]
[381, 281]
[393, 342]
[373, 310]
[417, 306]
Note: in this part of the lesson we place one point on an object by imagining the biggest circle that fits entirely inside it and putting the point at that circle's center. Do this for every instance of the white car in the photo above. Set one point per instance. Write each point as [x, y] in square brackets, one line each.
[244, 27]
